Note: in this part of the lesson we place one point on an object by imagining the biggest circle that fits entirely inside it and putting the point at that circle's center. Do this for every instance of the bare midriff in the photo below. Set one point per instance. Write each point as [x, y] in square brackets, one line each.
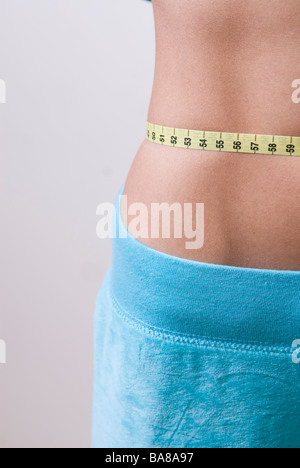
[226, 66]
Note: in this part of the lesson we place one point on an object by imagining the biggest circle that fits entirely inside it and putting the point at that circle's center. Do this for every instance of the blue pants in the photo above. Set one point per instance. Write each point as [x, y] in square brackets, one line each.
[192, 355]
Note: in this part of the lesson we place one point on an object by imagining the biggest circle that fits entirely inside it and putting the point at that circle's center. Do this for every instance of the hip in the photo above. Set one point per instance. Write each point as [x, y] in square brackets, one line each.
[250, 204]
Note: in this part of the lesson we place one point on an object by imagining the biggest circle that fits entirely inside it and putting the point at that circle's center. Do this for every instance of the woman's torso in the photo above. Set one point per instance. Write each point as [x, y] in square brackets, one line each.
[227, 66]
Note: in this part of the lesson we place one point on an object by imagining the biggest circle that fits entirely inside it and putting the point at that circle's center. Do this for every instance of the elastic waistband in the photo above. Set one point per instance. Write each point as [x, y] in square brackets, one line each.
[193, 299]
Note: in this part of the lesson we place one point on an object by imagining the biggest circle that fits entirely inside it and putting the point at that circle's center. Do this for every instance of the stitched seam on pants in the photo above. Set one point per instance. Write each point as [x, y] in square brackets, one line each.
[194, 340]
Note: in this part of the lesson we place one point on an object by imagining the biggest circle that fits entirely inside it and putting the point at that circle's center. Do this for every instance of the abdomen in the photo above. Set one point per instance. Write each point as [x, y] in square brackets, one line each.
[226, 66]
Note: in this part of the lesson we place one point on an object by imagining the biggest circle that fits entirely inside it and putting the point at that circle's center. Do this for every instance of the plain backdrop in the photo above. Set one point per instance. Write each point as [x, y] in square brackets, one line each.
[79, 78]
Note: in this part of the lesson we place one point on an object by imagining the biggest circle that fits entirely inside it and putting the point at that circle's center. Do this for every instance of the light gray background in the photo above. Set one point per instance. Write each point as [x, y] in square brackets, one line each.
[76, 71]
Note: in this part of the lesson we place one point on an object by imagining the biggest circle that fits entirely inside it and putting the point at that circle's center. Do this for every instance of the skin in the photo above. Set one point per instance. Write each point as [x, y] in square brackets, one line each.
[226, 65]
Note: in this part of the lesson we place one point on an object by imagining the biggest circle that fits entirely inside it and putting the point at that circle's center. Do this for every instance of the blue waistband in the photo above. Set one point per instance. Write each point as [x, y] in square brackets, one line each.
[193, 299]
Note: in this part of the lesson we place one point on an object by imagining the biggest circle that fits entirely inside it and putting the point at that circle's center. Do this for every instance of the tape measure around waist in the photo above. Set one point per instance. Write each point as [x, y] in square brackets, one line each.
[220, 141]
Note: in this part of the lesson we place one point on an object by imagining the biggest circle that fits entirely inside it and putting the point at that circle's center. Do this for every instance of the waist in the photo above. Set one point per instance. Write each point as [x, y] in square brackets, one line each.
[227, 66]
[231, 67]
[234, 104]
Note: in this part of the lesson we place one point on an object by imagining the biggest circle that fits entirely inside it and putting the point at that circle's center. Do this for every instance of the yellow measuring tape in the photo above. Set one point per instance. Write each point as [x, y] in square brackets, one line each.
[221, 141]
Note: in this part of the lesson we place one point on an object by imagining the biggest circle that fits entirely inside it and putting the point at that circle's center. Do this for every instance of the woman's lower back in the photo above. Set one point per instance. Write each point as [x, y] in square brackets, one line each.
[226, 66]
